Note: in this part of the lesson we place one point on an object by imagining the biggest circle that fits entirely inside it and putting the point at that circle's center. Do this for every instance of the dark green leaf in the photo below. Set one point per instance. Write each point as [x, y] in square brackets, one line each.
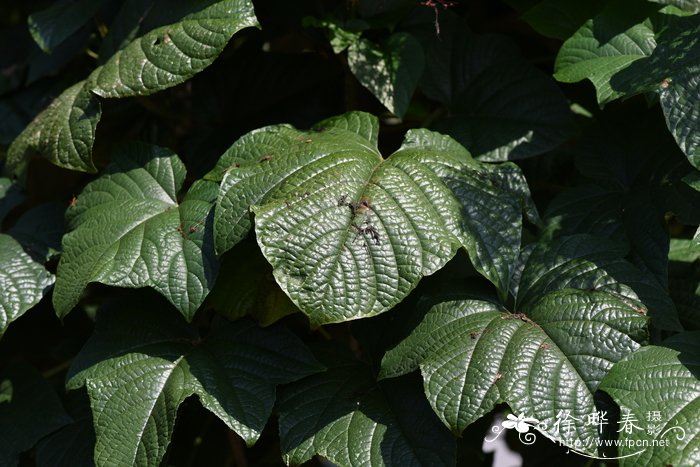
[349, 234]
[593, 263]
[344, 415]
[52, 26]
[22, 281]
[233, 371]
[547, 358]
[672, 70]
[663, 380]
[561, 18]
[124, 28]
[64, 133]
[500, 106]
[692, 6]
[40, 230]
[29, 410]
[128, 229]
[390, 71]
[10, 196]
[620, 35]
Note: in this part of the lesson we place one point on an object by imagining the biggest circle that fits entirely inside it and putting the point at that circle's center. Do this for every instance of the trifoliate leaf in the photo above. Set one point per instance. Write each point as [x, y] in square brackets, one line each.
[23, 282]
[348, 233]
[344, 415]
[137, 376]
[128, 229]
[658, 391]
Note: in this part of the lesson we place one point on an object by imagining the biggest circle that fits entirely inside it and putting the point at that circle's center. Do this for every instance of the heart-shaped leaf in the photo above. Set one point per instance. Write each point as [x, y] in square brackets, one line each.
[663, 429]
[621, 34]
[349, 234]
[128, 229]
[344, 415]
[539, 358]
[64, 133]
[23, 282]
[234, 371]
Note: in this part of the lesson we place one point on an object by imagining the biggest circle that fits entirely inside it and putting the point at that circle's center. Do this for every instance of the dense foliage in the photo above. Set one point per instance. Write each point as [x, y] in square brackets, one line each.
[370, 232]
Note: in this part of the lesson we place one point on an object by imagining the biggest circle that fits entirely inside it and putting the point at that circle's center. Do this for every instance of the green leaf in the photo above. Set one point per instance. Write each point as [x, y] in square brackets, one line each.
[11, 195]
[672, 70]
[29, 410]
[349, 234]
[52, 26]
[64, 132]
[670, 374]
[344, 415]
[124, 27]
[128, 229]
[234, 371]
[684, 280]
[40, 230]
[73, 444]
[172, 54]
[692, 6]
[561, 18]
[390, 71]
[342, 35]
[593, 263]
[500, 106]
[23, 282]
[546, 359]
[620, 35]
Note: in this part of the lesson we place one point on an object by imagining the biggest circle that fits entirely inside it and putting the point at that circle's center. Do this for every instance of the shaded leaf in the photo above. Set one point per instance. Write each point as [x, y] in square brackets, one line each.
[29, 410]
[561, 18]
[620, 35]
[500, 106]
[692, 6]
[349, 234]
[64, 133]
[11, 195]
[128, 229]
[672, 374]
[593, 263]
[23, 282]
[672, 70]
[40, 230]
[233, 371]
[52, 26]
[344, 415]
[390, 71]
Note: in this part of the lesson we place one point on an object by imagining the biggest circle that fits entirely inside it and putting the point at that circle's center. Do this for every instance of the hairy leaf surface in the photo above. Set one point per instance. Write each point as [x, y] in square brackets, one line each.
[348, 233]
